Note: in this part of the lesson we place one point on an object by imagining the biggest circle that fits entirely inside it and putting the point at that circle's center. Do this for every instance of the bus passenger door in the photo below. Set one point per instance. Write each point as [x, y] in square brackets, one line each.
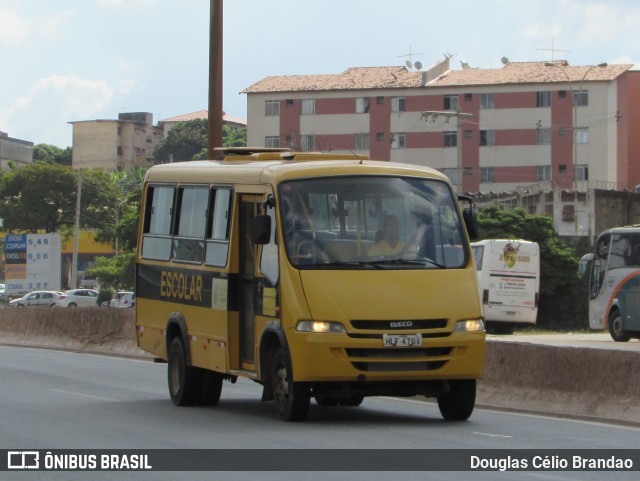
[249, 207]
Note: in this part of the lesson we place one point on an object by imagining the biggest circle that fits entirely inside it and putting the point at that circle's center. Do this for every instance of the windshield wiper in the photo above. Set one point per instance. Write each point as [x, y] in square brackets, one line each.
[413, 262]
[350, 264]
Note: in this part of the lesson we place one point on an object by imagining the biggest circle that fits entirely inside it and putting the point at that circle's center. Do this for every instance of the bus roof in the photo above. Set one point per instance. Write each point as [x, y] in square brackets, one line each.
[629, 229]
[274, 165]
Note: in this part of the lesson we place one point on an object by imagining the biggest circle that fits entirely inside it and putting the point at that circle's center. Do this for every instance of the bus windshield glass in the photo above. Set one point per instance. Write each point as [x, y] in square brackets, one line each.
[371, 222]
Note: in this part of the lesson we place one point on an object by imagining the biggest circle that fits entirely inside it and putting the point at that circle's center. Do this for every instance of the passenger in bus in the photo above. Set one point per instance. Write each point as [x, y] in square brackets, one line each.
[390, 244]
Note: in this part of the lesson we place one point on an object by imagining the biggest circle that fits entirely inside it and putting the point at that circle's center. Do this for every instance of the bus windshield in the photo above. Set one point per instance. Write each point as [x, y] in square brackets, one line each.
[371, 222]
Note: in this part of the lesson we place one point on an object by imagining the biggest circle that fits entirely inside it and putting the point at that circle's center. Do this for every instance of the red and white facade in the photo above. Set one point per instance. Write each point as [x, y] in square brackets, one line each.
[496, 129]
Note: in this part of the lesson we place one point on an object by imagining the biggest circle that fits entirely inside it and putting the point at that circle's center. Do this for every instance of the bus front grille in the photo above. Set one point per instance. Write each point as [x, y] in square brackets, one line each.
[403, 359]
[400, 325]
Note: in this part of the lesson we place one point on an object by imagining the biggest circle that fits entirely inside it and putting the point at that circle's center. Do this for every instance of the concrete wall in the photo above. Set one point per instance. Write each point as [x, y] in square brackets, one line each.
[576, 382]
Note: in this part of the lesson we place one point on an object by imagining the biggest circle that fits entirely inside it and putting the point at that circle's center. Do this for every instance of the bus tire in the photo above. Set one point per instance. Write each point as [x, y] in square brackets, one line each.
[292, 399]
[211, 388]
[616, 329]
[184, 381]
[457, 404]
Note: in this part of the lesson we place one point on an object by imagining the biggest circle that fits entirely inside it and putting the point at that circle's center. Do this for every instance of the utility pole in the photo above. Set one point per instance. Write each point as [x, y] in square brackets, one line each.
[460, 117]
[215, 78]
[76, 235]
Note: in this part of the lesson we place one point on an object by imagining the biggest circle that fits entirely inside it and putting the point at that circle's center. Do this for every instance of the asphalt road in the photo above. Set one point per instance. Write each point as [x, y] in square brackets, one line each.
[64, 400]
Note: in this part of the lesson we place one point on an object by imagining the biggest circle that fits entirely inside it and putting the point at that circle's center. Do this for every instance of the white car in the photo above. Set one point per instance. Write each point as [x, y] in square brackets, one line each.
[123, 299]
[36, 298]
[78, 298]
[2, 291]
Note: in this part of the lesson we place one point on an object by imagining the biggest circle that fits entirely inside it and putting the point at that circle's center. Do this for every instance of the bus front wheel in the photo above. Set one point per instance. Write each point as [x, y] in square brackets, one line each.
[616, 329]
[292, 399]
[457, 404]
[184, 380]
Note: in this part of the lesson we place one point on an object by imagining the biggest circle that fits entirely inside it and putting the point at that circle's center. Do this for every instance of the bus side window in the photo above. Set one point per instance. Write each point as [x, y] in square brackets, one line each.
[156, 240]
[188, 243]
[219, 226]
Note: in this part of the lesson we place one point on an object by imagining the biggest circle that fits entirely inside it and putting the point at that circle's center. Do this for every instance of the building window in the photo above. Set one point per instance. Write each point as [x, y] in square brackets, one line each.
[362, 141]
[271, 108]
[543, 136]
[289, 102]
[398, 104]
[379, 136]
[308, 107]
[543, 99]
[362, 105]
[562, 131]
[272, 141]
[582, 172]
[543, 173]
[487, 174]
[581, 135]
[562, 94]
[379, 100]
[452, 174]
[468, 171]
[581, 97]
[397, 141]
[487, 137]
[468, 97]
[307, 143]
[451, 102]
[487, 101]
[562, 169]
[468, 134]
[450, 138]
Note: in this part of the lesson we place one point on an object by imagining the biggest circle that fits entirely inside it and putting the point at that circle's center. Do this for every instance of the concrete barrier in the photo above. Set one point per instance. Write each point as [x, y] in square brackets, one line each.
[522, 376]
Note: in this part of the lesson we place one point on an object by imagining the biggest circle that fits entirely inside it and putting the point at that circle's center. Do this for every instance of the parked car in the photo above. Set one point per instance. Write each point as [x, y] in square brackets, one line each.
[37, 298]
[2, 291]
[78, 298]
[123, 299]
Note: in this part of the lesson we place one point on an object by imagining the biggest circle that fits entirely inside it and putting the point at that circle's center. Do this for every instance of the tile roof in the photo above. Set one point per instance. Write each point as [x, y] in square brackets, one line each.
[359, 78]
[204, 114]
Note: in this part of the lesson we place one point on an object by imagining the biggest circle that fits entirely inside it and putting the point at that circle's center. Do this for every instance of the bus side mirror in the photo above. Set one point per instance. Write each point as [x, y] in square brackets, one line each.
[584, 267]
[470, 217]
[262, 229]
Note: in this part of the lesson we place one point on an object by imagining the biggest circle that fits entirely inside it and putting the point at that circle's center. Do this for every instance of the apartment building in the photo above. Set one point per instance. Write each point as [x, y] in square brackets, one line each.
[488, 130]
[128, 141]
[115, 144]
[16, 150]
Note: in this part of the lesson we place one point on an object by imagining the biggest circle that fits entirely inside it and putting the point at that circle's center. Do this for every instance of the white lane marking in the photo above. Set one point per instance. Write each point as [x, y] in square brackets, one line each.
[102, 398]
[492, 435]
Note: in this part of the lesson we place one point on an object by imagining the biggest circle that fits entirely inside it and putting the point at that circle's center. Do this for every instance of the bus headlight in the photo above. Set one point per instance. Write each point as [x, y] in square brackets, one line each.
[320, 326]
[469, 326]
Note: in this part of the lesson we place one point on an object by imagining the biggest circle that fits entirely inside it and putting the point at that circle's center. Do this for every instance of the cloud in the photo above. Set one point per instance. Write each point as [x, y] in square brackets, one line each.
[14, 28]
[53, 101]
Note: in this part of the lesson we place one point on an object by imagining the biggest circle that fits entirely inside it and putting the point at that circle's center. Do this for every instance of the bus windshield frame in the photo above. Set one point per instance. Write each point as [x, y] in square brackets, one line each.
[347, 222]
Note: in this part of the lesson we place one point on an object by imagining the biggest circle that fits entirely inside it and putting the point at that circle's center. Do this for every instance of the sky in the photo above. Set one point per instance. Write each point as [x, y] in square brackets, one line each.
[73, 60]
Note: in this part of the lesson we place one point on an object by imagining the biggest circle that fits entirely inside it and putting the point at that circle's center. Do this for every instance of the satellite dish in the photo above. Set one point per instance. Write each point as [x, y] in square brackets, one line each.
[408, 64]
[504, 60]
[418, 65]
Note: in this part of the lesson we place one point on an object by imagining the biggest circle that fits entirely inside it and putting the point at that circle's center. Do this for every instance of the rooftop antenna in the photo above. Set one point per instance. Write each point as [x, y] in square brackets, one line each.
[553, 50]
[409, 63]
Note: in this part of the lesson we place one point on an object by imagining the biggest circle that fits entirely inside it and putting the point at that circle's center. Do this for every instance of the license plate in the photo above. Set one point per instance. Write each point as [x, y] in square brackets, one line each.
[402, 340]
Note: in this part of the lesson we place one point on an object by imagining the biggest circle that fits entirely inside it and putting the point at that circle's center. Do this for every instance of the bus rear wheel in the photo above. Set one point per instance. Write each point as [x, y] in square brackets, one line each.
[184, 381]
[616, 329]
[292, 399]
[457, 404]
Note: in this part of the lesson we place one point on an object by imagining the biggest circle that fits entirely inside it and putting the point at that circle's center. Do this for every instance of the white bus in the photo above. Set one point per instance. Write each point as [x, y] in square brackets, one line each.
[614, 282]
[509, 279]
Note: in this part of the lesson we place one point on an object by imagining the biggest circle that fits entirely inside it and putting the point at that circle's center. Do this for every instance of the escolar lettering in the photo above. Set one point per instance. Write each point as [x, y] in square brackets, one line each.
[180, 285]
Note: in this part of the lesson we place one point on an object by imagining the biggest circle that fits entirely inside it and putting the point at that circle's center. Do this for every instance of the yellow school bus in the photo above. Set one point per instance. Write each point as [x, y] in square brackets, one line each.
[318, 276]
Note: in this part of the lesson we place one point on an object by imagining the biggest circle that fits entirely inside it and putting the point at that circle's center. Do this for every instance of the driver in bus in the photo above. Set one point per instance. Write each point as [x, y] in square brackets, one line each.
[390, 244]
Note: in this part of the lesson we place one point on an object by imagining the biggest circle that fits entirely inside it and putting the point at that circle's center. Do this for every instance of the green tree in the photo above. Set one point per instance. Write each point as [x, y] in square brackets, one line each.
[42, 197]
[115, 273]
[563, 299]
[184, 141]
[52, 154]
